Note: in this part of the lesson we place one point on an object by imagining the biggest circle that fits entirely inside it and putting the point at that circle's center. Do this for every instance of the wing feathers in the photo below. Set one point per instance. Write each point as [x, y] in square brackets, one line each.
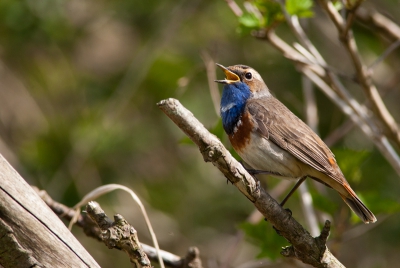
[285, 129]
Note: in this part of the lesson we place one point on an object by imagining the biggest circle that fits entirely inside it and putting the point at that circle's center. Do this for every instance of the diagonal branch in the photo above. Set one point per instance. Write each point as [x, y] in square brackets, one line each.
[304, 247]
[379, 22]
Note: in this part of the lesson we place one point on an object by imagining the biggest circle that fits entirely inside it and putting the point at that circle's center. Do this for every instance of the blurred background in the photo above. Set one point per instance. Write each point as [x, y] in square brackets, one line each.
[79, 83]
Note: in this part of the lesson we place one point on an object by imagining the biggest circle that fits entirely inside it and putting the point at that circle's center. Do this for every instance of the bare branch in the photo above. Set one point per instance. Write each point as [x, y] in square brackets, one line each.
[304, 247]
[384, 55]
[371, 92]
[234, 7]
[377, 20]
[339, 132]
[351, 8]
[211, 77]
[294, 23]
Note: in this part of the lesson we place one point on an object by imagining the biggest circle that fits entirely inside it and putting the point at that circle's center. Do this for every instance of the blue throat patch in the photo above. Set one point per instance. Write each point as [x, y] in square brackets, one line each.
[233, 101]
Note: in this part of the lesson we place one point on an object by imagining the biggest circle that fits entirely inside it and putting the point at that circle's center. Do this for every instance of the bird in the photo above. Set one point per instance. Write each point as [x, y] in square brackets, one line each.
[271, 139]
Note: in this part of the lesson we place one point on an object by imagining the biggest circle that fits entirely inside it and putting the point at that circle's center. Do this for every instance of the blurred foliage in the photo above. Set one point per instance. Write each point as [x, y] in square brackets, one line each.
[79, 85]
[301, 8]
[265, 237]
[350, 166]
[268, 13]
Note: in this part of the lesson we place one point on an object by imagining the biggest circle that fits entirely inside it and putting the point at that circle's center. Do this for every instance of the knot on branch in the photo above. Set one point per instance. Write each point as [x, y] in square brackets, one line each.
[119, 235]
[288, 252]
[212, 153]
[323, 237]
[323, 259]
[192, 258]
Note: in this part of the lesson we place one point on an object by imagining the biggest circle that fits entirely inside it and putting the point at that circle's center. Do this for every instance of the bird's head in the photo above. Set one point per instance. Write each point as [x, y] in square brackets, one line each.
[241, 83]
[244, 77]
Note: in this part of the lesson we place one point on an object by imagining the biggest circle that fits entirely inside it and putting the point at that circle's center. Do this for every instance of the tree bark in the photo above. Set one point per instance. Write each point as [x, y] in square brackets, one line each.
[31, 235]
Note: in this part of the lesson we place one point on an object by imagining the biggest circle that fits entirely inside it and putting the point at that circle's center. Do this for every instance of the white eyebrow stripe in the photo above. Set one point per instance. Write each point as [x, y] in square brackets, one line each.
[257, 76]
[227, 107]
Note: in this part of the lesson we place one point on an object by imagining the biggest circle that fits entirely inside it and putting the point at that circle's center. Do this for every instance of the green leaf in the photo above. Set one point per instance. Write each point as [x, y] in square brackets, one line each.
[250, 20]
[265, 237]
[270, 10]
[301, 8]
[338, 5]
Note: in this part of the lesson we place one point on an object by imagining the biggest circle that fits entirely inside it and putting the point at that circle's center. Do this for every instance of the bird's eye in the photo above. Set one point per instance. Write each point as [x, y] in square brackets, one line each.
[248, 76]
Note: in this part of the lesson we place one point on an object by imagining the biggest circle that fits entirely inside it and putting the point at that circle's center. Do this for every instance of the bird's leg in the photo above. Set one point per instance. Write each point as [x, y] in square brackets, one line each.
[256, 171]
[293, 189]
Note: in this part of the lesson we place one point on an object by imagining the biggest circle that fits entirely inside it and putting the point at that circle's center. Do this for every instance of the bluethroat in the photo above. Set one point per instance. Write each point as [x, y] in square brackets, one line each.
[270, 138]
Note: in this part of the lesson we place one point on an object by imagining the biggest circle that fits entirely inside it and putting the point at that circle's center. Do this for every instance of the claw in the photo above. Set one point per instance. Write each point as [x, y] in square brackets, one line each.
[277, 231]
[290, 212]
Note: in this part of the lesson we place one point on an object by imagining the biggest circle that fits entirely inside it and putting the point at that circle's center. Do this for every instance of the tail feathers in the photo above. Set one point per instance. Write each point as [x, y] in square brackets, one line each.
[358, 207]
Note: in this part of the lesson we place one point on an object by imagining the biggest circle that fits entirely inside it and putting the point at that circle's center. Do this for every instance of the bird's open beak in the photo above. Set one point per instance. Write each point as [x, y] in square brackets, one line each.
[231, 77]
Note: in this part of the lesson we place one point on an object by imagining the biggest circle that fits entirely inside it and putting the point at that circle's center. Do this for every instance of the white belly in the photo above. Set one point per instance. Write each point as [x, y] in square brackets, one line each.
[262, 154]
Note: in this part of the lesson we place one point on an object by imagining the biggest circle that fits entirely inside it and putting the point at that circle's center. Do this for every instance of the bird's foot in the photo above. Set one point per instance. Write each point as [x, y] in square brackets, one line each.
[290, 212]
[277, 231]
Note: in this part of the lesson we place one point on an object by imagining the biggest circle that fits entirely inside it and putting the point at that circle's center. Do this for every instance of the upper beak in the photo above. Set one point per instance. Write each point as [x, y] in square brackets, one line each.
[231, 77]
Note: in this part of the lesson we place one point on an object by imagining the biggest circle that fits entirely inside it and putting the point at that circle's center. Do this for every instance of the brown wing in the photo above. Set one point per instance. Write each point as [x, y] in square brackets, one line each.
[278, 124]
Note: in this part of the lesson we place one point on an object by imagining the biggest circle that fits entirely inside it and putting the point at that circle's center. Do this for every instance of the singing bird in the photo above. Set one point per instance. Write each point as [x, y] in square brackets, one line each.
[270, 138]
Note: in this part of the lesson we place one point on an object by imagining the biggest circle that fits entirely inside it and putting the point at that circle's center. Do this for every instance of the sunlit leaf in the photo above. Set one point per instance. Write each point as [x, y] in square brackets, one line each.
[270, 10]
[338, 5]
[301, 8]
[249, 20]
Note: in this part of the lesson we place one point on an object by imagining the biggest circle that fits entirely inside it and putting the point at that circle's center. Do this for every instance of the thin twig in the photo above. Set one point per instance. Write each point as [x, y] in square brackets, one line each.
[339, 132]
[379, 21]
[211, 77]
[384, 55]
[351, 16]
[294, 23]
[371, 92]
[234, 7]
